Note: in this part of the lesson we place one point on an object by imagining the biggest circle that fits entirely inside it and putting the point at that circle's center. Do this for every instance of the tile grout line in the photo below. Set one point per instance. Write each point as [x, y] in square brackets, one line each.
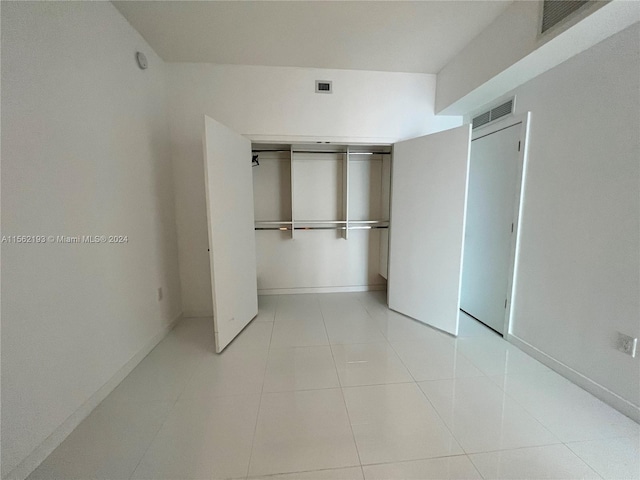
[529, 412]
[271, 475]
[484, 375]
[264, 376]
[583, 460]
[540, 421]
[162, 424]
[344, 401]
[431, 404]
[415, 382]
[372, 319]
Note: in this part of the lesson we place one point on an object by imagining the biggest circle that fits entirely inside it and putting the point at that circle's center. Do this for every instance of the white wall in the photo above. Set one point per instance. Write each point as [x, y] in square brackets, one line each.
[85, 151]
[510, 52]
[579, 266]
[264, 102]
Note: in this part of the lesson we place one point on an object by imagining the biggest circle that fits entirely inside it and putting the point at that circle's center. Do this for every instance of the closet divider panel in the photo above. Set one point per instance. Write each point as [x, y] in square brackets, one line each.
[385, 207]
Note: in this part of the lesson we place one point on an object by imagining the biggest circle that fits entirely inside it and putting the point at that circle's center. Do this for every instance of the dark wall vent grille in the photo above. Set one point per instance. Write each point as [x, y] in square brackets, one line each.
[495, 113]
[482, 119]
[324, 86]
[554, 11]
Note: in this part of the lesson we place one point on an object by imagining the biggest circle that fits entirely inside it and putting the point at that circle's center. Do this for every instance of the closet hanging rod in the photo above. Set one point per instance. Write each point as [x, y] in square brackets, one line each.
[322, 151]
[342, 222]
[274, 222]
[288, 229]
[309, 222]
[320, 222]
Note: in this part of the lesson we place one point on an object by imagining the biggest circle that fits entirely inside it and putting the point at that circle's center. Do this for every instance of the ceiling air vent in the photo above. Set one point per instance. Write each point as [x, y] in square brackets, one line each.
[481, 119]
[555, 11]
[324, 86]
[494, 114]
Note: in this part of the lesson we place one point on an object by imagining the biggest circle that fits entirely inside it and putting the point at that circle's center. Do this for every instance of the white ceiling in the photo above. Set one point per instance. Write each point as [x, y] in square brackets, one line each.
[395, 36]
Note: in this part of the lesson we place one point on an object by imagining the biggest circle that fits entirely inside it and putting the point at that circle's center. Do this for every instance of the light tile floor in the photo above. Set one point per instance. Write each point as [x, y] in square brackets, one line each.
[337, 386]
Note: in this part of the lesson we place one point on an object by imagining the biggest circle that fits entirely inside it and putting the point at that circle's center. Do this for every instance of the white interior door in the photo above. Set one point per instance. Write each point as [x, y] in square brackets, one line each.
[493, 177]
[232, 248]
[428, 199]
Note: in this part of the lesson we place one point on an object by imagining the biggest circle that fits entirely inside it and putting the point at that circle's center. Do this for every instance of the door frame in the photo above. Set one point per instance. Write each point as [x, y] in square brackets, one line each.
[524, 120]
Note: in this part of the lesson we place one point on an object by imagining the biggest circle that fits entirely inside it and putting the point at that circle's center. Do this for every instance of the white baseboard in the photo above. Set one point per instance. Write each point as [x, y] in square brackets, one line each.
[287, 291]
[197, 314]
[42, 451]
[603, 393]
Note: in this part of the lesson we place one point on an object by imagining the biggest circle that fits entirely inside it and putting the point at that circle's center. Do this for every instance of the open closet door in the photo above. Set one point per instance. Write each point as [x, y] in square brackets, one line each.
[232, 247]
[428, 201]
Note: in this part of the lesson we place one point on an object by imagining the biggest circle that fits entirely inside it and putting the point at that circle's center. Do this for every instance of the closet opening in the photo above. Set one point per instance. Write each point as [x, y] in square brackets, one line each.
[321, 217]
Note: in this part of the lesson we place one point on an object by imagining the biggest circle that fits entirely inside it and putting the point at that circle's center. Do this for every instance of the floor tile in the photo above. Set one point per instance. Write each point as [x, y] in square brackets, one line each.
[317, 384]
[547, 462]
[267, 305]
[568, 411]
[194, 332]
[435, 359]
[375, 302]
[352, 473]
[163, 374]
[613, 458]
[300, 368]
[108, 444]
[369, 364]
[470, 327]
[203, 439]
[299, 333]
[256, 335]
[444, 468]
[395, 422]
[342, 306]
[298, 307]
[235, 371]
[495, 356]
[355, 329]
[304, 430]
[482, 418]
[398, 328]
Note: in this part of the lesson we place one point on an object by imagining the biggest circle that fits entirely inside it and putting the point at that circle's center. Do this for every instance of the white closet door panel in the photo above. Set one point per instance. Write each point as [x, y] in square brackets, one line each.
[232, 248]
[428, 199]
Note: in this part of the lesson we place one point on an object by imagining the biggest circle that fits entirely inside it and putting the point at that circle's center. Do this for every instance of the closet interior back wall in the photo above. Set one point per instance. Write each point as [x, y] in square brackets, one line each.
[316, 192]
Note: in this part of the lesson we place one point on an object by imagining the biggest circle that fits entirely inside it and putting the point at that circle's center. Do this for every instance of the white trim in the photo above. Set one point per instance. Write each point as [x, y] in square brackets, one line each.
[509, 121]
[261, 138]
[198, 314]
[42, 451]
[287, 291]
[603, 393]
